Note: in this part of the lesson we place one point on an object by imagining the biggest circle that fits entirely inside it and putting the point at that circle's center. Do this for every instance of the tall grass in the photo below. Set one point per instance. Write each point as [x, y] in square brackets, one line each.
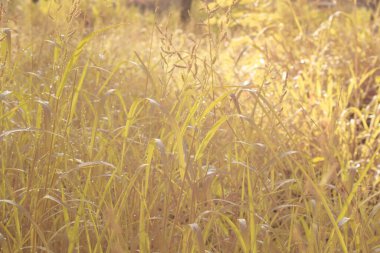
[255, 128]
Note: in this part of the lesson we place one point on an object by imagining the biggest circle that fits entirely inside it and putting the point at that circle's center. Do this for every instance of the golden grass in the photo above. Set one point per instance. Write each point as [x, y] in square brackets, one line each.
[255, 128]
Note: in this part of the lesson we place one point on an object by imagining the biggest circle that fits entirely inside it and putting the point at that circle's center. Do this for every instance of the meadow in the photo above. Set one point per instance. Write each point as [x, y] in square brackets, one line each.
[255, 127]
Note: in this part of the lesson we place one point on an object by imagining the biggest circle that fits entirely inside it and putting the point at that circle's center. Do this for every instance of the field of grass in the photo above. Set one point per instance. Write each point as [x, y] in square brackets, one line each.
[253, 128]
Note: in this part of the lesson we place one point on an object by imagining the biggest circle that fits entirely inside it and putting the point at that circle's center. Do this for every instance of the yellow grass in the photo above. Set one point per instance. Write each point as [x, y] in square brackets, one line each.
[253, 128]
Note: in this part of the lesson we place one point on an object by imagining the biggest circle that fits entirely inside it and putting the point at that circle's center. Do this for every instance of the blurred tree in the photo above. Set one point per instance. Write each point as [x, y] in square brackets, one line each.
[163, 5]
[185, 11]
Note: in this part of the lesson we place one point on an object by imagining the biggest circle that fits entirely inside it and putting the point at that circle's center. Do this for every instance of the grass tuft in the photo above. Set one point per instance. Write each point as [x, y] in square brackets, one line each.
[255, 127]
